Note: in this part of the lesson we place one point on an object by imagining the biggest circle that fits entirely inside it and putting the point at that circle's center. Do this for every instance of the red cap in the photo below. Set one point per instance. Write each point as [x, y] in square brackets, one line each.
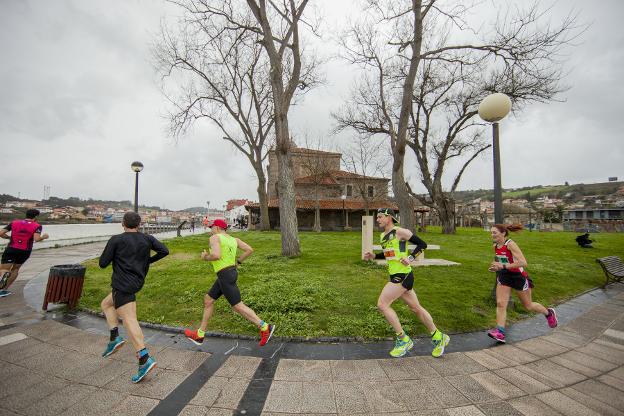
[218, 223]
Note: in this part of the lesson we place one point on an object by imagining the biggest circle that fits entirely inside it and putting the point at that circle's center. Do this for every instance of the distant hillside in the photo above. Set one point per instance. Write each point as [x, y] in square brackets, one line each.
[571, 192]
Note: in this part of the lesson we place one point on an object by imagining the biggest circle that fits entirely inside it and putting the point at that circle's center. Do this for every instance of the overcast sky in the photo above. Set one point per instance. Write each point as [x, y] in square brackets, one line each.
[79, 101]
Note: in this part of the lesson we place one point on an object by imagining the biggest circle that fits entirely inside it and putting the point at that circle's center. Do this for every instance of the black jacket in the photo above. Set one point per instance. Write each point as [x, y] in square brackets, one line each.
[130, 254]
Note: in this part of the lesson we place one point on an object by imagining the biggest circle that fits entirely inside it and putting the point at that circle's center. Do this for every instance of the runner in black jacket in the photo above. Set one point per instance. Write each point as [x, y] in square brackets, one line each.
[130, 254]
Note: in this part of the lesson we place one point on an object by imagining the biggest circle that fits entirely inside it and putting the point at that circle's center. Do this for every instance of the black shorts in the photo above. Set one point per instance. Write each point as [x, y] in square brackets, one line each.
[514, 280]
[406, 280]
[226, 285]
[15, 256]
[121, 298]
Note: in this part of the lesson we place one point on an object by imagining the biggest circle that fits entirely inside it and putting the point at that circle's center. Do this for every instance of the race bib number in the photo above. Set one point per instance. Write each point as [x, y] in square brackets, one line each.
[389, 254]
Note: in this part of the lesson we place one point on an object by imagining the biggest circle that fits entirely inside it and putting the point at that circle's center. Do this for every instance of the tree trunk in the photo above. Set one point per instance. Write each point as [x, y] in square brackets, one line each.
[402, 196]
[286, 186]
[446, 212]
[317, 214]
[263, 198]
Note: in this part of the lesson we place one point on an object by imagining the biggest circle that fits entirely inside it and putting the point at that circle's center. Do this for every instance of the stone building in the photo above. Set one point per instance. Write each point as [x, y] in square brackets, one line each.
[343, 197]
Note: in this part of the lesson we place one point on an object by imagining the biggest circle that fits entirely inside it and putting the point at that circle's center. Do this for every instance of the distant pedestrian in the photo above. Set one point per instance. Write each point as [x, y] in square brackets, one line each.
[24, 233]
[192, 225]
[223, 248]
[509, 264]
[130, 254]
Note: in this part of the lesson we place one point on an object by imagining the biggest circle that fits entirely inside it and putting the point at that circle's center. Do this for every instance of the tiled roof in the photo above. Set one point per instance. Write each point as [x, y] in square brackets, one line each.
[352, 204]
[332, 175]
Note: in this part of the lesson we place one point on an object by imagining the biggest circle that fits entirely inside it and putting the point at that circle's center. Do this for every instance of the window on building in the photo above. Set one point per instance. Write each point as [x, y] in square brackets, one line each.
[349, 190]
[371, 191]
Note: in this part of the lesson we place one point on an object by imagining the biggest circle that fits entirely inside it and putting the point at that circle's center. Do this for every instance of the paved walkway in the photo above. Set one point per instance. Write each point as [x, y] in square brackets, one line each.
[49, 367]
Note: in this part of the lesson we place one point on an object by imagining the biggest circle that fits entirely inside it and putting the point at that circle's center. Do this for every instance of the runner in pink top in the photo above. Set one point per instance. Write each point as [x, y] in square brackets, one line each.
[509, 264]
[23, 234]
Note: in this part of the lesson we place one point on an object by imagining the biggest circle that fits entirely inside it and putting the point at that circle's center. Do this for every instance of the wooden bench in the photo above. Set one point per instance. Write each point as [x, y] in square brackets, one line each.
[613, 268]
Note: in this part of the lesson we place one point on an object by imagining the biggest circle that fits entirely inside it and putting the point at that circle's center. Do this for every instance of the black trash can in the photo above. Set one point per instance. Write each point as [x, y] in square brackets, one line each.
[64, 285]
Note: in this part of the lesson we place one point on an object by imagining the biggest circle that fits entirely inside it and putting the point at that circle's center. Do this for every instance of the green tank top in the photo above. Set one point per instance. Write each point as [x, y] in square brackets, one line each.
[394, 250]
[228, 252]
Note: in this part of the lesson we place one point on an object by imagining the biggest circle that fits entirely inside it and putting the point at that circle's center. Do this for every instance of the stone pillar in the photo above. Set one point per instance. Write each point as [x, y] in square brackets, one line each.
[368, 224]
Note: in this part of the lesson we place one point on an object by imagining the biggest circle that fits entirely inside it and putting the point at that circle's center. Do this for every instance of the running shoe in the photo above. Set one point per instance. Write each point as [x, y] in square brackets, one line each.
[401, 347]
[113, 346]
[193, 337]
[5, 293]
[551, 318]
[439, 345]
[265, 336]
[144, 369]
[497, 335]
[4, 279]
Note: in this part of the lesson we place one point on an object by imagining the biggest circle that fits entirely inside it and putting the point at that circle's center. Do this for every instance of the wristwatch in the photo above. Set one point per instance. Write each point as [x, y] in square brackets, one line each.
[411, 258]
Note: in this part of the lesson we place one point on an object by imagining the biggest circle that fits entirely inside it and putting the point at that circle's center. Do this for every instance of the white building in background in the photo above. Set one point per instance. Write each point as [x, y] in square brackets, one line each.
[236, 214]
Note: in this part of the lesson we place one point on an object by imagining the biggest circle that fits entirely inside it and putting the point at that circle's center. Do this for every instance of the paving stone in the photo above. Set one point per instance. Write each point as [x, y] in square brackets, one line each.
[607, 342]
[599, 406]
[455, 364]
[566, 339]
[157, 384]
[127, 353]
[48, 361]
[486, 360]
[612, 381]
[603, 352]
[83, 342]
[239, 367]
[615, 334]
[19, 350]
[618, 372]
[410, 368]
[216, 411]
[575, 366]
[499, 409]
[77, 366]
[522, 380]
[475, 392]
[603, 313]
[107, 372]
[221, 392]
[592, 362]
[48, 330]
[601, 391]
[383, 398]
[134, 406]
[565, 405]
[496, 385]
[190, 410]
[285, 397]
[531, 406]
[361, 370]
[586, 327]
[511, 355]
[350, 398]
[553, 374]
[303, 370]
[430, 412]
[318, 397]
[464, 411]
[20, 381]
[426, 395]
[25, 398]
[181, 360]
[541, 347]
[60, 400]
[98, 403]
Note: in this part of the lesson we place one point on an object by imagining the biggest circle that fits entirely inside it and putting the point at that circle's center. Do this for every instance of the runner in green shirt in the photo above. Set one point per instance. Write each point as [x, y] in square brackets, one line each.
[223, 248]
[394, 241]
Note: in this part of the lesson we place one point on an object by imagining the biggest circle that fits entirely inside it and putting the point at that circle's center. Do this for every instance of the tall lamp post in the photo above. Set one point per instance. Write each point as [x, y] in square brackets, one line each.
[136, 167]
[492, 109]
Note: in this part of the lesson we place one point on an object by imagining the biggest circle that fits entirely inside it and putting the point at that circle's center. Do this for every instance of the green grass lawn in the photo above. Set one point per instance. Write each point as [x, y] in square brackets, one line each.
[328, 291]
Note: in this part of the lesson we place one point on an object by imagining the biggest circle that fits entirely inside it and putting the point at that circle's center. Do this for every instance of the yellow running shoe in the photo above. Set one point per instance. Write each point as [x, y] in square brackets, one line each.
[401, 347]
[439, 345]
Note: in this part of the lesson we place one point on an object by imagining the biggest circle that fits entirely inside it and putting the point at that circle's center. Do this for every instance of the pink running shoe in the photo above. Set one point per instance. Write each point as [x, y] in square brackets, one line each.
[497, 335]
[551, 318]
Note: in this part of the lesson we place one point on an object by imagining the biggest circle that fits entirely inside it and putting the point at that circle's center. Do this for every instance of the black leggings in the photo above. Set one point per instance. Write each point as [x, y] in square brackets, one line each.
[226, 285]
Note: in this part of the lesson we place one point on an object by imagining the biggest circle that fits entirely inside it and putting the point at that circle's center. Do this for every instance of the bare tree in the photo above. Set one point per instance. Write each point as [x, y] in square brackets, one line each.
[519, 56]
[364, 158]
[279, 23]
[221, 76]
[276, 27]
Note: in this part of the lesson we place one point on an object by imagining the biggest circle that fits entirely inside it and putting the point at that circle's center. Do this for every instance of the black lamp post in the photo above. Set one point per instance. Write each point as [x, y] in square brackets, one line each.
[344, 213]
[136, 167]
[492, 109]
